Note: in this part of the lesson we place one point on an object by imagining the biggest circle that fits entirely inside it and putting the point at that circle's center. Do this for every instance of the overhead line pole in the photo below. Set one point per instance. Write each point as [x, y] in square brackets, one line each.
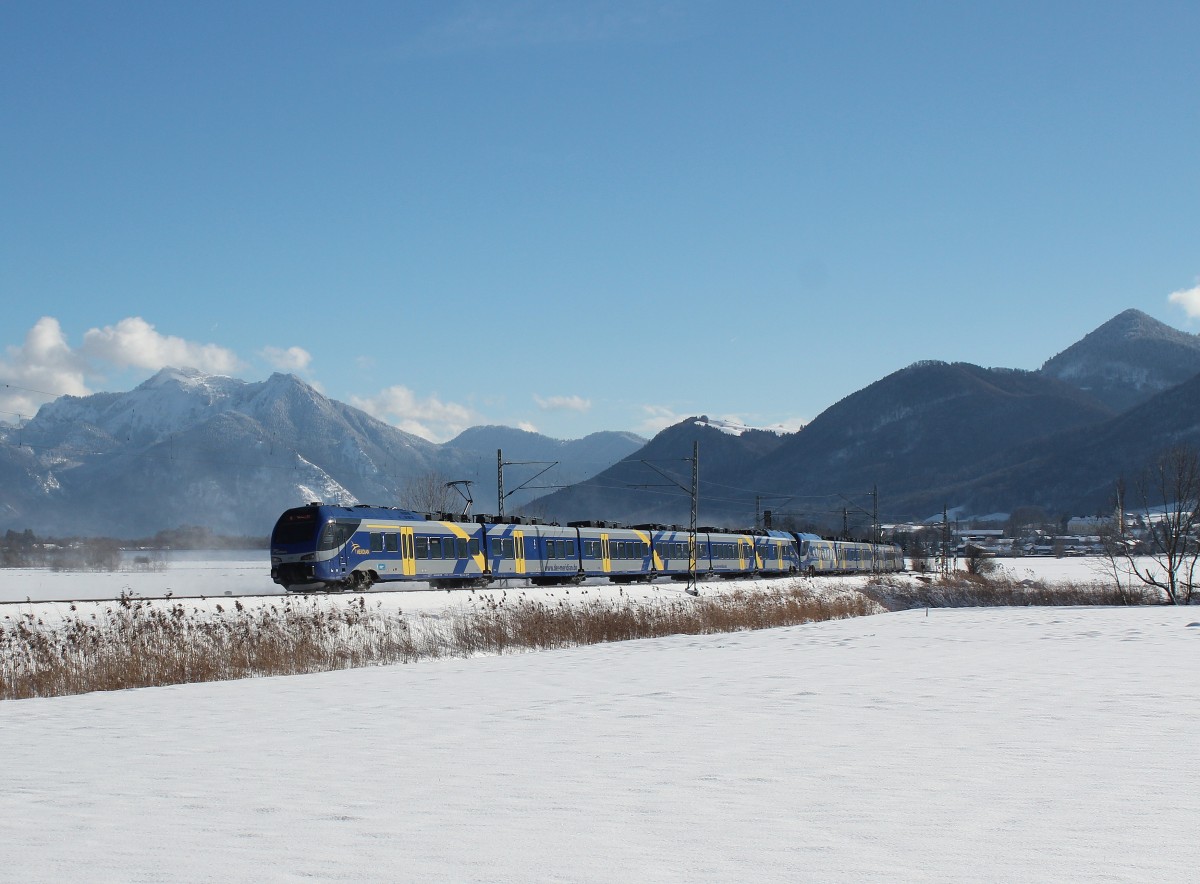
[500, 484]
[501, 463]
[693, 580]
[693, 587]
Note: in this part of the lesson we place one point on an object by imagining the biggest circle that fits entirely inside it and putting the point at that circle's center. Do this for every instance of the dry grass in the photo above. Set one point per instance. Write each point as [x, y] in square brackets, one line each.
[962, 590]
[141, 644]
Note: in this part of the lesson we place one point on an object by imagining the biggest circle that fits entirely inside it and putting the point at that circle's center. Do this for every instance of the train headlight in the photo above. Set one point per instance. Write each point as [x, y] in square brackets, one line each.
[276, 561]
[308, 557]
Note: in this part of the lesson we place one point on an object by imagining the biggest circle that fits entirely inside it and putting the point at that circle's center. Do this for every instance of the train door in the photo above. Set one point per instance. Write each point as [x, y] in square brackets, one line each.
[408, 555]
[519, 550]
[605, 555]
[343, 537]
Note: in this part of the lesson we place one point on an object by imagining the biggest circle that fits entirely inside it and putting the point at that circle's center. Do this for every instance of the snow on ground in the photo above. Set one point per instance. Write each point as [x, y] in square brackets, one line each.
[219, 572]
[1006, 744]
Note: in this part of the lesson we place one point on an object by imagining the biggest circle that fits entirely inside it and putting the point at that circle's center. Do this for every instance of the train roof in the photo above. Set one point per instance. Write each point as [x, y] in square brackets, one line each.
[366, 510]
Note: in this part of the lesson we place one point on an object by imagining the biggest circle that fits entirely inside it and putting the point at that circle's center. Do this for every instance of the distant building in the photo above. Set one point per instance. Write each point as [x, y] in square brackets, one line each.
[1088, 524]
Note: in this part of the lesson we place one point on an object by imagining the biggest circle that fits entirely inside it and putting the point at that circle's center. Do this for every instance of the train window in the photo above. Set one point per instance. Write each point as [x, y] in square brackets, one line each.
[435, 547]
[496, 552]
[391, 542]
[551, 551]
[376, 542]
[337, 533]
[448, 548]
[329, 537]
[506, 547]
[570, 549]
[460, 546]
[473, 546]
[422, 548]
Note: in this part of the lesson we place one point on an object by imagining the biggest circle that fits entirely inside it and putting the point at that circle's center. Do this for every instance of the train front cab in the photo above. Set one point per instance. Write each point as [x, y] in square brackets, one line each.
[324, 547]
[294, 548]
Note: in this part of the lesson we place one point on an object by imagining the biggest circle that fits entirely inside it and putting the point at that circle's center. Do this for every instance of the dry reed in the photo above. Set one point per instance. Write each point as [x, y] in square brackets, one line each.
[141, 644]
[962, 590]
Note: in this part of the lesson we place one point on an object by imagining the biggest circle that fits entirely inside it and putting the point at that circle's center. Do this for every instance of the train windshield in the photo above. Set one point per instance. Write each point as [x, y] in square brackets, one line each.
[295, 526]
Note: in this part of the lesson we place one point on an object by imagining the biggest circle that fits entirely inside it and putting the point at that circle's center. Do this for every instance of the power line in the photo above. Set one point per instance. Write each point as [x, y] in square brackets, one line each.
[8, 386]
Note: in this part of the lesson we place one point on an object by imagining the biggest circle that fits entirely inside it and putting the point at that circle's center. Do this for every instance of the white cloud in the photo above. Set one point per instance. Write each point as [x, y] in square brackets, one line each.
[46, 366]
[563, 403]
[134, 343]
[292, 359]
[41, 369]
[656, 418]
[527, 427]
[1188, 299]
[429, 418]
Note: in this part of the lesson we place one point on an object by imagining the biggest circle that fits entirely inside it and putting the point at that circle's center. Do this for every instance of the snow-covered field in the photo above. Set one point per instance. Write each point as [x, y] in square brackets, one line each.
[1018, 744]
[241, 572]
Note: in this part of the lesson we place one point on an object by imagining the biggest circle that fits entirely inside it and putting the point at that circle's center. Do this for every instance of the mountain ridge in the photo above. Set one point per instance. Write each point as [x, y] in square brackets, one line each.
[188, 448]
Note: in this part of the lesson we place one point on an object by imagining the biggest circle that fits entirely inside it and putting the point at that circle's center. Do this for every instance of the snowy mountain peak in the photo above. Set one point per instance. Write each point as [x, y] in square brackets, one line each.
[193, 381]
[736, 428]
[1128, 359]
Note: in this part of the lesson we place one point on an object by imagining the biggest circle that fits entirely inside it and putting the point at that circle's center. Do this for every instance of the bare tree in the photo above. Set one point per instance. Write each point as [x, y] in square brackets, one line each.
[427, 493]
[1166, 497]
[979, 562]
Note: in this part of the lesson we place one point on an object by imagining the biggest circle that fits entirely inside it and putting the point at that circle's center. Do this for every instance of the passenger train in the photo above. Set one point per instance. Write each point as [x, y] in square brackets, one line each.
[323, 547]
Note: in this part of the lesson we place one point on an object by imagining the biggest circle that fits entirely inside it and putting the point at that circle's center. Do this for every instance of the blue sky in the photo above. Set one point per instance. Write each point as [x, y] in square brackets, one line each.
[586, 216]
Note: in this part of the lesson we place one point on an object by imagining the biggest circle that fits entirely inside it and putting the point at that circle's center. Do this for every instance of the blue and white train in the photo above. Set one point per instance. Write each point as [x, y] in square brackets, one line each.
[323, 547]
